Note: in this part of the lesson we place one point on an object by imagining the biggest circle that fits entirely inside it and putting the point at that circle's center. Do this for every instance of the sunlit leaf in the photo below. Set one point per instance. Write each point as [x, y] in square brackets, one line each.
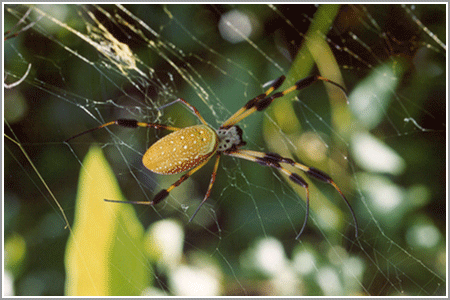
[375, 156]
[102, 255]
[370, 100]
[15, 253]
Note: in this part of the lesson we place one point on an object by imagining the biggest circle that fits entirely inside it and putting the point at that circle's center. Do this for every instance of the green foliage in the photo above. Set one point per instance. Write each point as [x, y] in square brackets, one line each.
[98, 258]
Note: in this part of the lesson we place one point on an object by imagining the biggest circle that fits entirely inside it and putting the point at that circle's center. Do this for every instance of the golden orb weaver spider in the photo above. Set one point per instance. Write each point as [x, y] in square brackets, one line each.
[190, 148]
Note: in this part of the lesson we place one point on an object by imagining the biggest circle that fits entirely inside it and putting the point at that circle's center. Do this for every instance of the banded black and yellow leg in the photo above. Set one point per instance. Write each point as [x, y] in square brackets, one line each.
[259, 104]
[126, 123]
[235, 118]
[313, 172]
[211, 183]
[163, 193]
[264, 161]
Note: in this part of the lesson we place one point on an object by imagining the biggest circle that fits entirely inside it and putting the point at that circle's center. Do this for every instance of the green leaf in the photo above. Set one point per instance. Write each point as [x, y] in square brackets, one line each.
[370, 100]
[305, 60]
[105, 252]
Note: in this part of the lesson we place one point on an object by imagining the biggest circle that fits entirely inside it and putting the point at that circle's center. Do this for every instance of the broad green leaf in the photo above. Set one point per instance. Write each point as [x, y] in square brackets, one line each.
[105, 253]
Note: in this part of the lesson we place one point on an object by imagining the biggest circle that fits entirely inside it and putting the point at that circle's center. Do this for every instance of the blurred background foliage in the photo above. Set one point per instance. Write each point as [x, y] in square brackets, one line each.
[385, 149]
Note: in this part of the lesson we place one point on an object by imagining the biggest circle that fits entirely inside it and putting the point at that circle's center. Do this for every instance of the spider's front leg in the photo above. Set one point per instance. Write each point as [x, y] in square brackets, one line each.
[263, 101]
[275, 160]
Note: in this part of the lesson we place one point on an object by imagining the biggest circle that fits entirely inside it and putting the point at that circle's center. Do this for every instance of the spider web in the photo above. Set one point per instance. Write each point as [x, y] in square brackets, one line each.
[384, 145]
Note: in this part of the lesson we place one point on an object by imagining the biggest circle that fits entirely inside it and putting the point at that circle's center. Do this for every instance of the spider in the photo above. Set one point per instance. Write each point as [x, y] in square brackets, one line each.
[190, 148]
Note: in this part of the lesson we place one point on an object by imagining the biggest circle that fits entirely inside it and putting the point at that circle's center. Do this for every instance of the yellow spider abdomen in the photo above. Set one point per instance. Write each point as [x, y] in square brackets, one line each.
[181, 150]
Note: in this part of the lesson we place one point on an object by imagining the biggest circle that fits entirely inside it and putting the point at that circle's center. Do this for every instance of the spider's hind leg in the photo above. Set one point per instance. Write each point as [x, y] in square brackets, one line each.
[274, 160]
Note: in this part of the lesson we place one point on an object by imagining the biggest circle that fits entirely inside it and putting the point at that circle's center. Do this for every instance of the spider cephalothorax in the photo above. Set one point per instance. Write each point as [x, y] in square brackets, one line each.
[230, 138]
[190, 148]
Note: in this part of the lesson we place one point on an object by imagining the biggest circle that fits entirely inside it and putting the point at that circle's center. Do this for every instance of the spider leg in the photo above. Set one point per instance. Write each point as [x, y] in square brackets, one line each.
[191, 107]
[126, 123]
[273, 159]
[316, 173]
[164, 193]
[260, 158]
[251, 103]
[211, 183]
[262, 101]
